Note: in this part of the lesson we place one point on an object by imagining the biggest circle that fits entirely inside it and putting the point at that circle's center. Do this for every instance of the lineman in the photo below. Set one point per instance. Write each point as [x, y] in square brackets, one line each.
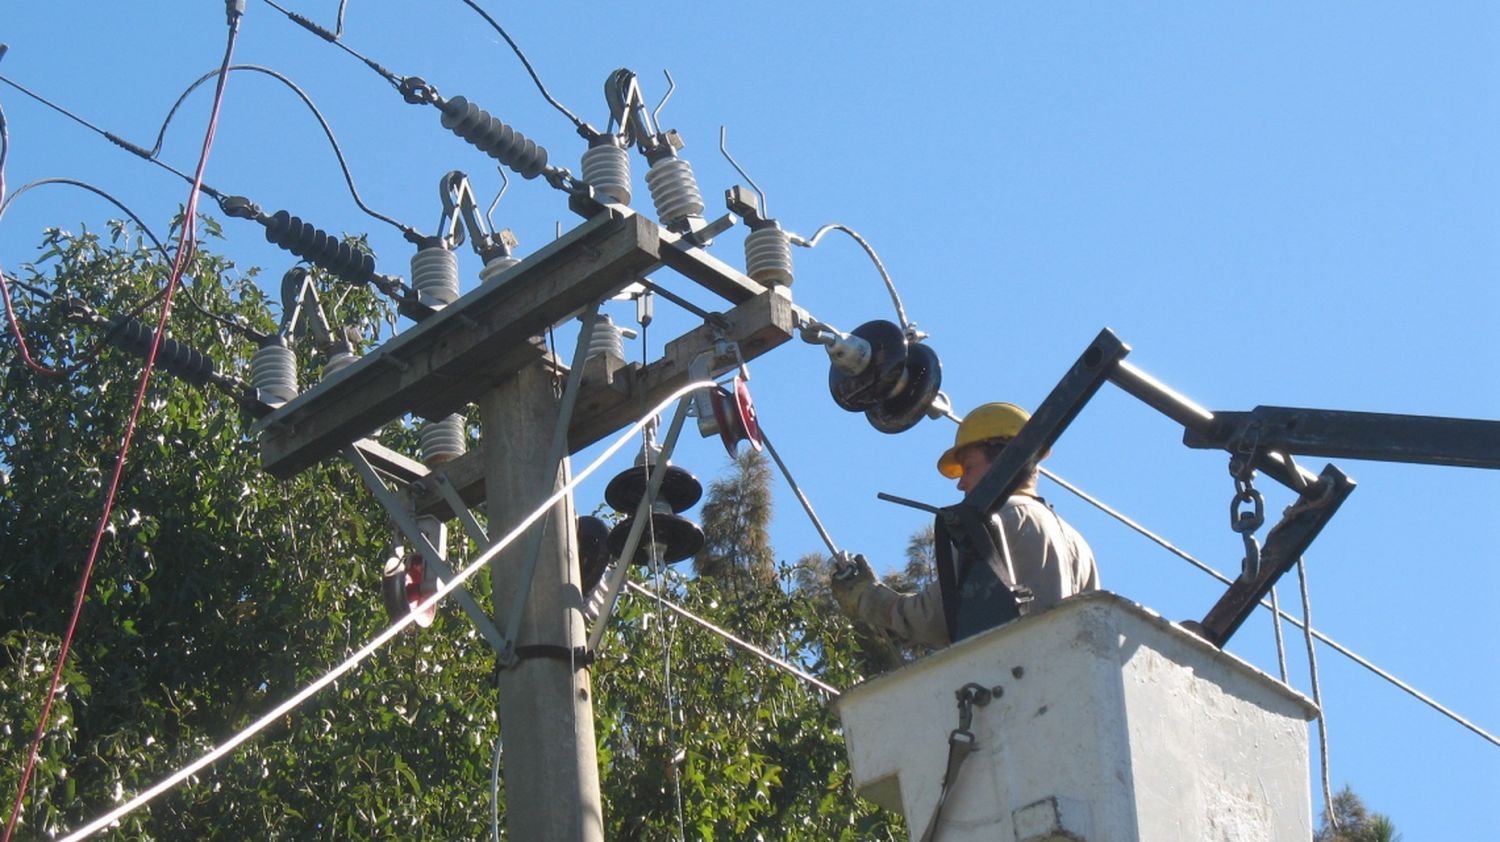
[1038, 551]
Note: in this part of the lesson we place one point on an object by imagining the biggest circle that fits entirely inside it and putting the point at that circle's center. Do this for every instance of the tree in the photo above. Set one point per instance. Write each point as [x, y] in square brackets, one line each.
[221, 591]
[737, 526]
[1355, 822]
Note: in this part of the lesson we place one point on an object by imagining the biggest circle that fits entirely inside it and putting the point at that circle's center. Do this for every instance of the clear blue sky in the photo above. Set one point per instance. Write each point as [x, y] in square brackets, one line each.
[1286, 204]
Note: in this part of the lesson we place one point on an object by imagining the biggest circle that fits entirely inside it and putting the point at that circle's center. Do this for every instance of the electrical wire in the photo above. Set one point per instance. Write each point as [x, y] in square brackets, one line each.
[890, 285]
[336, 39]
[364, 652]
[1323, 638]
[577, 123]
[828, 690]
[1312, 669]
[185, 246]
[338, 152]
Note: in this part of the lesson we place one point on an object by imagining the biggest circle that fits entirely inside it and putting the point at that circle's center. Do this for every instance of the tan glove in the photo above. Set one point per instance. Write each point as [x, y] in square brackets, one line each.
[852, 577]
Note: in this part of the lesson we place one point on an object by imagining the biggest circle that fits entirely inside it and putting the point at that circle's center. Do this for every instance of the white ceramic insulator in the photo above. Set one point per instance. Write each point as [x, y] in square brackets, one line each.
[768, 257]
[606, 338]
[273, 370]
[674, 190]
[495, 267]
[338, 362]
[434, 275]
[607, 169]
[442, 441]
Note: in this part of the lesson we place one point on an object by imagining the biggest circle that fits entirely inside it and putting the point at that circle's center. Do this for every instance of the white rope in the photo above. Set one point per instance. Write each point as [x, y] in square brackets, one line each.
[379, 640]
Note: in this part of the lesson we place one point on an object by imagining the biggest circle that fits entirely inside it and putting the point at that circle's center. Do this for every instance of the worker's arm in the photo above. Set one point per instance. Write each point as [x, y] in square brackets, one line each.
[915, 617]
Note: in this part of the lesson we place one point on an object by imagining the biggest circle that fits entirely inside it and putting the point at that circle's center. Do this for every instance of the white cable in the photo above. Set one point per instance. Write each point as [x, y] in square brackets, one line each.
[381, 639]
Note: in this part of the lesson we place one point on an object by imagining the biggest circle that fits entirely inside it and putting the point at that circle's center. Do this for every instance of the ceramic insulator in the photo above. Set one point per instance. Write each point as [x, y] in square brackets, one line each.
[768, 256]
[674, 190]
[607, 169]
[495, 267]
[273, 370]
[606, 338]
[442, 441]
[434, 275]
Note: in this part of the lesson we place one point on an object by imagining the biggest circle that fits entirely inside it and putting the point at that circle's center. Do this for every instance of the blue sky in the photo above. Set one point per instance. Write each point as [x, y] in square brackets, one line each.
[1281, 204]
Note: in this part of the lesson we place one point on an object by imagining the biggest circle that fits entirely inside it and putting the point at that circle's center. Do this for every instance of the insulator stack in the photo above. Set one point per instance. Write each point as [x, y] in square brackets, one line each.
[606, 338]
[341, 357]
[495, 267]
[273, 370]
[893, 382]
[674, 190]
[493, 137]
[434, 276]
[606, 168]
[134, 336]
[322, 248]
[442, 441]
[593, 553]
[669, 537]
[768, 256]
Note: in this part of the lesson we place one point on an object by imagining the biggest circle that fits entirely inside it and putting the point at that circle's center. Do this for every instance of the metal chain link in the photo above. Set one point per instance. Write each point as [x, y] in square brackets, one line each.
[1246, 521]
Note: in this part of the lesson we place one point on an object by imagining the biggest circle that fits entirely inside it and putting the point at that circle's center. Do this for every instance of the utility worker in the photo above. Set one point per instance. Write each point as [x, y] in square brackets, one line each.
[1038, 551]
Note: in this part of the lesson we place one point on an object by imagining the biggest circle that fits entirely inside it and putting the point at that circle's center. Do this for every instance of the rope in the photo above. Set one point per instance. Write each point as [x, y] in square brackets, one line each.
[185, 247]
[364, 652]
[1280, 640]
[1323, 638]
[1312, 669]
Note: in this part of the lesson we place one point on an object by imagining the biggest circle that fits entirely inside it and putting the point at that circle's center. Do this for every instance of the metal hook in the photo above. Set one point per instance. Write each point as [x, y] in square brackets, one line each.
[765, 210]
[671, 86]
[489, 215]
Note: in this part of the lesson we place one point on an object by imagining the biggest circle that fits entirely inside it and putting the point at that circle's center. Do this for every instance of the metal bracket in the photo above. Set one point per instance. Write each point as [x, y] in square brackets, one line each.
[407, 523]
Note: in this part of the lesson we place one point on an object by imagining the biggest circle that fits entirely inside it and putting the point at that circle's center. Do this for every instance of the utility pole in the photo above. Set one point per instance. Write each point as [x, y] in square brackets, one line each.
[482, 349]
[545, 703]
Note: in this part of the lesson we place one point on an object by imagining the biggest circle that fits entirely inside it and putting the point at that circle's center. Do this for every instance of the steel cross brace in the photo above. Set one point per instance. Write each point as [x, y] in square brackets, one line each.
[1458, 442]
[407, 523]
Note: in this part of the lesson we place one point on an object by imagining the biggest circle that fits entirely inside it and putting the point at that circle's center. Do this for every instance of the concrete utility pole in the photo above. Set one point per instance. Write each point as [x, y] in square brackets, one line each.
[545, 703]
[482, 349]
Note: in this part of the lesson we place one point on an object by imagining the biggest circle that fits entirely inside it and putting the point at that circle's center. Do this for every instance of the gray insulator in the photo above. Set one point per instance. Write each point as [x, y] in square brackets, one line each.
[339, 361]
[674, 190]
[434, 276]
[442, 441]
[607, 169]
[495, 267]
[273, 370]
[606, 338]
[768, 256]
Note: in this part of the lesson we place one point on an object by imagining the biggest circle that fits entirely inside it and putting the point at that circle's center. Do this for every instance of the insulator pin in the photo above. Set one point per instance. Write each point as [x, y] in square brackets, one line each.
[493, 137]
[434, 276]
[674, 191]
[273, 370]
[341, 358]
[768, 256]
[134, 336]
[323, 249]
[606, 168]
[442, 441]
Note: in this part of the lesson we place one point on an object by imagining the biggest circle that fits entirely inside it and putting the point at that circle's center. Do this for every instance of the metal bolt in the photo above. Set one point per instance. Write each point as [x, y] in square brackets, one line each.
[1017, 672]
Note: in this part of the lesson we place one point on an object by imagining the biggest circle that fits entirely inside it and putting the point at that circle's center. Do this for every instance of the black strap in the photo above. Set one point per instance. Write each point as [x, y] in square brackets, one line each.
[960, 745]
[579, 656]
[974, 598]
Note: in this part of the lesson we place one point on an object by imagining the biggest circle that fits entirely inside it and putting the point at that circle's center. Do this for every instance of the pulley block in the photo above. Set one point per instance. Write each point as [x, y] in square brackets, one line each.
[878, 378]
[676, 537]
[404, 584]
[902, 411]
[735, 414]
[679, 490]
[593, 552]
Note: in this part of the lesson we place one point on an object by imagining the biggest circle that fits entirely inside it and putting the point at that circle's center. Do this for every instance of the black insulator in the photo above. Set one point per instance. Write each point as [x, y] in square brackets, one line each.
[322, 248]
[878, 380]
[593, 552]
[493, 137]
[676, 537]
[679, 489]
[134, 336]
[902, 411]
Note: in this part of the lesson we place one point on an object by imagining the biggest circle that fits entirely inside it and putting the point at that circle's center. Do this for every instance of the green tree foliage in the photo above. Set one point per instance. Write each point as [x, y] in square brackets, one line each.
[1355, 822]
[737, 526]
[220, 591]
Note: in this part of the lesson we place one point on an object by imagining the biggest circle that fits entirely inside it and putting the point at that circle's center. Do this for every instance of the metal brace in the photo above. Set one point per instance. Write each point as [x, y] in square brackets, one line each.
[408, 526]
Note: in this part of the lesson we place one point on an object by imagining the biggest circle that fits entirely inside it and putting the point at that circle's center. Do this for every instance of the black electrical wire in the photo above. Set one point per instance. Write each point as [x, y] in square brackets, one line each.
[579, 124]
[233, 324]
[338, 152]
[335, 38]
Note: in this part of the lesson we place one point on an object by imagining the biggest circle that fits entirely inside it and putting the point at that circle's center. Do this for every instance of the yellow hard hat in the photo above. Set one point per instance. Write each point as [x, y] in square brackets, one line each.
[987, 421]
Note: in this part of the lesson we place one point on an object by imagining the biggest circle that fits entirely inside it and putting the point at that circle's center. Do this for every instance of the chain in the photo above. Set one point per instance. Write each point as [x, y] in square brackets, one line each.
[1242, 520]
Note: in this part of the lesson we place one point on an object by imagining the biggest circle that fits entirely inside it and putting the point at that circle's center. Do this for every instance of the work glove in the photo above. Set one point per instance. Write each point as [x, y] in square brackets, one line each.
[851, 577]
